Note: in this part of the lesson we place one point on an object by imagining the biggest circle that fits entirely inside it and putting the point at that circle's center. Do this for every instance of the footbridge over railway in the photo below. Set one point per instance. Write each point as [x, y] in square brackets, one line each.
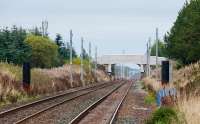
[140, 60]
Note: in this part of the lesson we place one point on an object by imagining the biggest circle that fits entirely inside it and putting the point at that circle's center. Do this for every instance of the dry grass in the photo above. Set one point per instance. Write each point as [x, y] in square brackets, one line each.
[10, 90]
[152, 84]
[187, 82]
[191, 109]
[43, 81]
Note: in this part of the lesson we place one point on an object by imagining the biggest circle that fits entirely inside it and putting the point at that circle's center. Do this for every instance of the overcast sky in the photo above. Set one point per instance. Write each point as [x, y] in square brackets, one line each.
[112, 25]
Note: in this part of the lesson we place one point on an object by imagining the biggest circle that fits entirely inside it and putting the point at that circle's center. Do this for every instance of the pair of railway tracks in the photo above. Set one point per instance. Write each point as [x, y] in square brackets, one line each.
[23, 113]
[100, 112]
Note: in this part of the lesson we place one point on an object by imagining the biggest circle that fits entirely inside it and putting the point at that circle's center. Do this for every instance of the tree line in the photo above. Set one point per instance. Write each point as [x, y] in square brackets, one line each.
[18, 45]
[182, 42]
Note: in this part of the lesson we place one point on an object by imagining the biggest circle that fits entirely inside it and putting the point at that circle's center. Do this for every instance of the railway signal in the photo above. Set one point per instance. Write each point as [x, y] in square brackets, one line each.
[26, 76]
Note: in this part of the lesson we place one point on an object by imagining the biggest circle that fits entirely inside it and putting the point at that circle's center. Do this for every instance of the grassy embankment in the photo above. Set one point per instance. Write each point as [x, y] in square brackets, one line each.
[43, 81]
[187, 82]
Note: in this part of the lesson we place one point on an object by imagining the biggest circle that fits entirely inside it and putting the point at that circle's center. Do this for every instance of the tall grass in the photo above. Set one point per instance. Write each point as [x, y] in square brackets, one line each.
[187, 79]
[10, 90]
[187, 82]
[191, 109]
[152, 84]
[13, 71]
[43, 81]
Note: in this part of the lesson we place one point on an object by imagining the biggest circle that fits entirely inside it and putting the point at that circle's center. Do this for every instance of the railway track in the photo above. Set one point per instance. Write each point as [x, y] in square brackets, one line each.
[22, 113]
[104, 110]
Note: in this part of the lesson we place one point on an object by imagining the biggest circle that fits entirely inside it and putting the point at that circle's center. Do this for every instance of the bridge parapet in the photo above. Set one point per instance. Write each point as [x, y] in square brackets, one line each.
[129, 59]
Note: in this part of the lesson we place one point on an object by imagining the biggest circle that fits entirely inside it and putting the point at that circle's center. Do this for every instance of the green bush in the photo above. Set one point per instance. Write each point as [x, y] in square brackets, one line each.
[44, 52]
[164, 115]
[150, 98]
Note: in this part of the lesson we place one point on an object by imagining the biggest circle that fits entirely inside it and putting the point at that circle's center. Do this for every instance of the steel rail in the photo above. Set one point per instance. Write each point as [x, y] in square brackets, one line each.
[118, 107]
[84, 113]
[4, 113]
[59, 103]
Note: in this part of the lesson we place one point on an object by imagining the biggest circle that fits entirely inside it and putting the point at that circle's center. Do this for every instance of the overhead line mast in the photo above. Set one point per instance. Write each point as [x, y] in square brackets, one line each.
[82, 80]
[71, 57]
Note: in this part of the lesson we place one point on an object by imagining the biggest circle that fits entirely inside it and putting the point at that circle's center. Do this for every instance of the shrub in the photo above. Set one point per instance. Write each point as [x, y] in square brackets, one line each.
[150, 98]
[163, 115]
[44, 51]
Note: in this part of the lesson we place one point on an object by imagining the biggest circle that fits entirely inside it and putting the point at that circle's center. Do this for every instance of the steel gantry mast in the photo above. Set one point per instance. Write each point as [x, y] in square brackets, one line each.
[71, 57]
[95, 68]
[157, 40]
[90, 57]
[82, 72]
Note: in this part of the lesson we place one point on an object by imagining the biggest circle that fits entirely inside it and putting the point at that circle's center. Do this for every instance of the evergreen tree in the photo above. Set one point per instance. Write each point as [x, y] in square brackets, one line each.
[161, 49]
[12, 46]
[85, 54]
[36, 31]
[183, 40]
[59, 40]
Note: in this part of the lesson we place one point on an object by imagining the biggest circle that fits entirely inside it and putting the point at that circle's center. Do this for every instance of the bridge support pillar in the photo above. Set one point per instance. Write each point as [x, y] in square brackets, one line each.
[142, 70]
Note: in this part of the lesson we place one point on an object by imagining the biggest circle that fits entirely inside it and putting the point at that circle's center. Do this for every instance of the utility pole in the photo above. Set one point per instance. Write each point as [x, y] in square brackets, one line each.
[90, 46]
[82, 62]
[157, 53]
[95, 62]
[71, 47]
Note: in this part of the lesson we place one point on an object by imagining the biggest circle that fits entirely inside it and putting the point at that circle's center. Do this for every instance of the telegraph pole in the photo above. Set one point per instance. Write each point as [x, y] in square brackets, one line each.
[157, 53]
[71, 47]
